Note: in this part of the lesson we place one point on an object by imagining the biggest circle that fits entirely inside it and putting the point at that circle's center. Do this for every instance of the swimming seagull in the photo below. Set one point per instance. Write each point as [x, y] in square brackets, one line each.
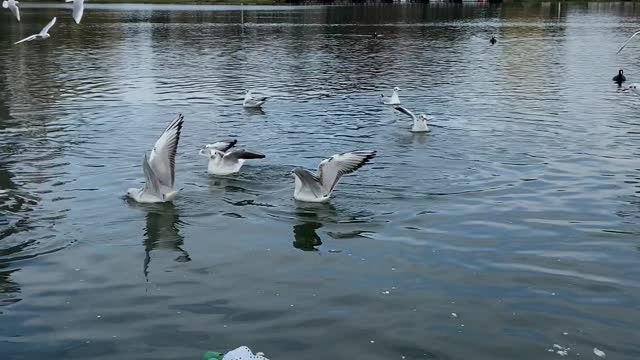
[419, 122]
[13, 6]
[78, 10]
[626, 42]
[635, 88]
[160, 167]
[253, 102]
[223, 160]
[393, 100]
[312, 187]
[43, 35]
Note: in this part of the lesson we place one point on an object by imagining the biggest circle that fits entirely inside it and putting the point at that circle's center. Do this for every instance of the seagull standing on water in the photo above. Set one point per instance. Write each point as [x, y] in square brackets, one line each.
[13, 6]
[419, 122]
[160, 167]
[312, 187]
[223, 160]
[43, 35]
[394, 99]
[78, 10]
[251, 101]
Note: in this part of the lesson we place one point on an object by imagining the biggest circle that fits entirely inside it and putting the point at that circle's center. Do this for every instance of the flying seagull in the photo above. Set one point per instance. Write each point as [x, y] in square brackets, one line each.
[43, 35]
[223, 160]
[626, 42]
[419, 122]
[251, 101]
[393, 100]
[312, 187]
[160, 167]
[13, 6]
[78, 10]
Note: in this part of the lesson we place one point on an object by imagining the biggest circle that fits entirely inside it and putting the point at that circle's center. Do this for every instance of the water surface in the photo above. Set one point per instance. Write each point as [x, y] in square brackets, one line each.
[519, 213]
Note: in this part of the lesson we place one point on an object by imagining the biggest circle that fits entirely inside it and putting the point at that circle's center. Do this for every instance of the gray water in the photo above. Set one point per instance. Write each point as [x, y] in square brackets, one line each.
[519, 213]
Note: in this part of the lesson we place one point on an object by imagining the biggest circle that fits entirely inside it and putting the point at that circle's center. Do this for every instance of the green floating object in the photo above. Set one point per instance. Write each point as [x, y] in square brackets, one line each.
[212, 355]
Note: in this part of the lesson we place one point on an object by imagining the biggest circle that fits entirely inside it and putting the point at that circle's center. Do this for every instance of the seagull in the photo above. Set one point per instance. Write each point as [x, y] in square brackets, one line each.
[223, 160]
[160, 167]
[635, 88]
[13, 6]
[253, 102]
[419, 122]
[312, 187]
[78, 10]
[43, 35]
[626, 42]
[394, 99]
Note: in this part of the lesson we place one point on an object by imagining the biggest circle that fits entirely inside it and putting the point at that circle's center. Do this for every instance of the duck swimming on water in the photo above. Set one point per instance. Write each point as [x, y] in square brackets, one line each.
[493, 40]
[620, 78]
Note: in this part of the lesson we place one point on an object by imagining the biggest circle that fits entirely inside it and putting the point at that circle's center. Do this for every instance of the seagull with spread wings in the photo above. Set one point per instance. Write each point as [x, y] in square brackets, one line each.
[393, 100]
[42, 35]
[13, 6]
[251, 101]
[160, 167]
[312, 187]
[78, 10]
[225, 161]
[419, 122]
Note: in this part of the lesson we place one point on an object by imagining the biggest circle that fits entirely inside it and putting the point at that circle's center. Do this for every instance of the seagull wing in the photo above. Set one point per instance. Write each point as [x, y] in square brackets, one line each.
[223, 146]
[406, 111]
[243, 154]
[163, 156]
[29, 38]
[13, 7]
[247, 96]
[78, 10]
[49, 25]
[332, 169]
[626, 42]
[310, 181]
[152, 183]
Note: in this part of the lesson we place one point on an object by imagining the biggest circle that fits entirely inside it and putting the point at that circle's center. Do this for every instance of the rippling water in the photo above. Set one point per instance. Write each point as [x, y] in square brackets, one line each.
[519, 213]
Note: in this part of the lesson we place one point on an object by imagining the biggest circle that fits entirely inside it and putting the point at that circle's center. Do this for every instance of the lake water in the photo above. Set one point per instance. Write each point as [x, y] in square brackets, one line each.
[511, 231]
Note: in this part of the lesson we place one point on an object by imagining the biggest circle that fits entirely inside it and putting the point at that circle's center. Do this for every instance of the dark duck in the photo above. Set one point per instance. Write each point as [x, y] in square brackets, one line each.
[620, 77]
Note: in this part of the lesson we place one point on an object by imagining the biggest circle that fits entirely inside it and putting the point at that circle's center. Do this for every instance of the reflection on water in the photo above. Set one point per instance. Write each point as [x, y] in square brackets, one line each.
[305, 237]
[519, 210]
[162, 232]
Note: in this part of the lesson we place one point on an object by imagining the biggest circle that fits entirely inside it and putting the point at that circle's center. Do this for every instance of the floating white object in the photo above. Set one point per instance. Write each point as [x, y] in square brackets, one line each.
[243, 353]
[599, 352]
